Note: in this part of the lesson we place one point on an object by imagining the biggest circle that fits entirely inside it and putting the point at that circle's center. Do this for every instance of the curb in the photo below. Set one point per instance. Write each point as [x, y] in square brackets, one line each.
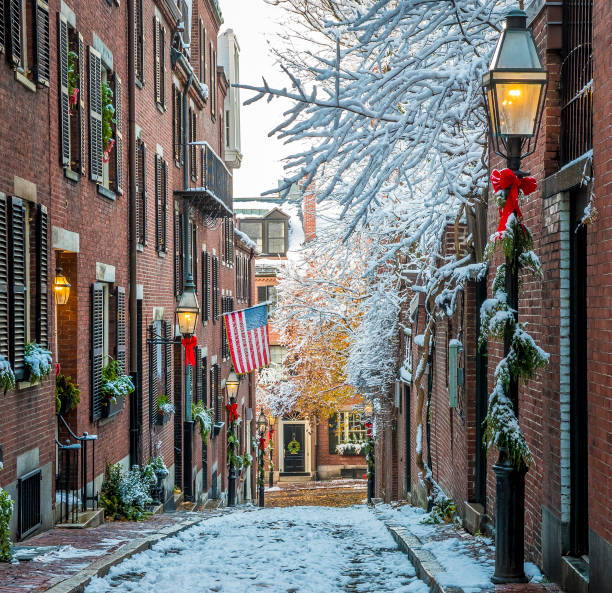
[425, 563]
[100, 567]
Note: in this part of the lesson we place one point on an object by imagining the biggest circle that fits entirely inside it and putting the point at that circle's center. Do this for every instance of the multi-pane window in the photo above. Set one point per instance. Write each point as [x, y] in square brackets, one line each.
[72, 77]
[268, 294]
[177, 125]
[350, 428]
[23, 28]
[254, 229]
[202, 52]
[276, 237]
[242, 278]
[24, 253]
[215, 288]
[193, 126]
[227, 306]
[277, 355]
[228, 241]
[270, 235]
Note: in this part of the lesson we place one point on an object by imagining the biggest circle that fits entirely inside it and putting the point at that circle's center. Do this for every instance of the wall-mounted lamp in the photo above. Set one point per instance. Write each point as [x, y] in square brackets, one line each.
[61, 287]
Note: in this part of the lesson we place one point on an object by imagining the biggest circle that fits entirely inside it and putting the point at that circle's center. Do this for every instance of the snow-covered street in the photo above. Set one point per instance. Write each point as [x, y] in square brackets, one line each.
[293, 550]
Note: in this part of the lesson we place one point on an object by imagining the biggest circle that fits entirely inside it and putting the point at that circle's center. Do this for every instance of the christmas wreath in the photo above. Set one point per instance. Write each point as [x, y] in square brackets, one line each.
[293, 447]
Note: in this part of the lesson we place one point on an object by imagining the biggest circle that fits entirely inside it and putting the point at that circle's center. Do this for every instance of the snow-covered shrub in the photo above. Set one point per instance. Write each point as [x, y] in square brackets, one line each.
[351, 448]
[38, 361]
[6, 512]
[124, 494]
[66, 390]
[164, 405]
[115, 383]
[443, 510]
[7, 377]
[204, 417]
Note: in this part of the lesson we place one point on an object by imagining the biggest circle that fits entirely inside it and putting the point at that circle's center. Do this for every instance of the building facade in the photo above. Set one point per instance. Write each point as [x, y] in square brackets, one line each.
[564, 411]
[115, 121]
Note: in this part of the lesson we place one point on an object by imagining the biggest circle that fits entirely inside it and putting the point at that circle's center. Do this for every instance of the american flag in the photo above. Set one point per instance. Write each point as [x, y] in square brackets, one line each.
[247, 334]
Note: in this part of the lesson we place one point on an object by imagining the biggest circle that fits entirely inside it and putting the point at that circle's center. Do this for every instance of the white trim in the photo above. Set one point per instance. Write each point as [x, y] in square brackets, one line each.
[281, 444]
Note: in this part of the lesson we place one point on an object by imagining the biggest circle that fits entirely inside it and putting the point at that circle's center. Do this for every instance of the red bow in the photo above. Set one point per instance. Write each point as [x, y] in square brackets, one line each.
[270, 433]
[232, 410]
[190, 344]
[506, 179]
[369, 429]
[262, 444]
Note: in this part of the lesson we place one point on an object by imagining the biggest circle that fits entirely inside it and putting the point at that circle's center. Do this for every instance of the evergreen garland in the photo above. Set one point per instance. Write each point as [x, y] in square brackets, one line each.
[524, 356]
[6, 511]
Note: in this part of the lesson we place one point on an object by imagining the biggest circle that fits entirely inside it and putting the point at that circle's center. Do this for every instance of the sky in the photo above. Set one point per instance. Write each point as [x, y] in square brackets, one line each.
[255, 23]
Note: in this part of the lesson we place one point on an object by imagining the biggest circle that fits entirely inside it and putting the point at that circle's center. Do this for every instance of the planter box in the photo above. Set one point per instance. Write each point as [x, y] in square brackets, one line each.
[161, 419]
[110, 410]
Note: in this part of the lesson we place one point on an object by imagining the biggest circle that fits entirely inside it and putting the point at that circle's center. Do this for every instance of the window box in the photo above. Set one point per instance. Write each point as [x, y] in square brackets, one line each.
[109, 410]
[217, 428]
[161, 418]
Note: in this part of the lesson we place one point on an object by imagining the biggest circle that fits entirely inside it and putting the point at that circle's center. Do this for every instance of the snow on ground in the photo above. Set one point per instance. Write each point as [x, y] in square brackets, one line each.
[296, 549]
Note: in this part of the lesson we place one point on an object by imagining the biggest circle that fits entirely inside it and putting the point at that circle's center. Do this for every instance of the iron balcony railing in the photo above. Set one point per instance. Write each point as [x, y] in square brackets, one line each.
[577, 80]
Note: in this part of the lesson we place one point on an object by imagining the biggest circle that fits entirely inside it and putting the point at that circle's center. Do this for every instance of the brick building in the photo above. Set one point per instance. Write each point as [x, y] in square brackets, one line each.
[127, 221]
[280, 226]
[565, 411]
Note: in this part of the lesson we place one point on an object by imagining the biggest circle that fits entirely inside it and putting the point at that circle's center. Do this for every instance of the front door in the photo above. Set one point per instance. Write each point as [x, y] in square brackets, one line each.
[295, 448]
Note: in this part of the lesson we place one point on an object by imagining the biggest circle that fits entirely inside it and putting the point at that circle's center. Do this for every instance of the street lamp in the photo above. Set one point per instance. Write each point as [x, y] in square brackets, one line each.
[271, 420]
[262, 424]
[514, 91]
[231, 384]
[187, 310]
[61, 287]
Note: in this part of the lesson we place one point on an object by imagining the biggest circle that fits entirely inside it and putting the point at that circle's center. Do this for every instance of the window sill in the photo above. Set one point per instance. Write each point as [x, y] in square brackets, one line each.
[26, 384]
[161, 108]
[138, 83]
[72, 175]
[25, 81]
[139, 247]
[161, 253]
[107, 193]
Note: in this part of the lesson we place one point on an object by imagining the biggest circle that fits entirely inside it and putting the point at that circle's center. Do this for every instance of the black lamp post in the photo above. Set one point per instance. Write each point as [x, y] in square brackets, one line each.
[231, 384]
[262, 424]
[514, 91]
[271, 452]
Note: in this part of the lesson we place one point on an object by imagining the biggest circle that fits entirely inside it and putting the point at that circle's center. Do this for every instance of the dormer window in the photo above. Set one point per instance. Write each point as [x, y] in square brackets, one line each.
[270, 233]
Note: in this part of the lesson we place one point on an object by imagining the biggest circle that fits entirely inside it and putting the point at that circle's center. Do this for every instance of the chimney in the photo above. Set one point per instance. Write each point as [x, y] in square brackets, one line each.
[309, 211]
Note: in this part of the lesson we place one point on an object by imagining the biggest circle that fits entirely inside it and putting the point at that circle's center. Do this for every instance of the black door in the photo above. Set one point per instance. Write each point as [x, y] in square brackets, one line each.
[482, 398]
[408, 438]
[579, 522]
[295, 448]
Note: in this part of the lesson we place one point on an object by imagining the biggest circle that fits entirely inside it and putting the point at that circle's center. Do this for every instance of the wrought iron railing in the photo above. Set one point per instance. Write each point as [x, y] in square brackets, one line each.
[576, 80]
[76, 469]
[216, 179]
[28, 503]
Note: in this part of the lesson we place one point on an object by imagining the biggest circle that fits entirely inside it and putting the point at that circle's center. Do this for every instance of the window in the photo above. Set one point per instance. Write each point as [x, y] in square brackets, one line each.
[254, 231]
[105, 152]
[215, 391]
[178, 253]
[161, 204]
[227, 130]
[242, 278]
[159, 66]
[160, 366]
[139, 42]
[24, 252]
[227, 306]
[193, 254]
[268, 294]
[202, 53]
[228, 241]
[215, 288]
[141, 192]
[276, 237]
[270, 235]
[26, 28]
[213, 82]
[277, 355]
[193, 126]
[72, 102]
[351, 428]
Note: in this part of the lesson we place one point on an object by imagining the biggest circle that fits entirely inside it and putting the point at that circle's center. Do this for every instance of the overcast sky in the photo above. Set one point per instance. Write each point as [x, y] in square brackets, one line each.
[255, 24]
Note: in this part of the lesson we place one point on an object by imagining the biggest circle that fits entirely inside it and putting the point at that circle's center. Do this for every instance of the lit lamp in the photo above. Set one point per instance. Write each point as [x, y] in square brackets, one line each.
[232, 383]
[61, 287]
[514, 90]
[262, 423]
[187, 310]
[271, 420]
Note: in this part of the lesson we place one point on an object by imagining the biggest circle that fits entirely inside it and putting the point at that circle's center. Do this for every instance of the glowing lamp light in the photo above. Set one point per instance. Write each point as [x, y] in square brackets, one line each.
[262, 423]
[515, 87]
[61, 287]
[187, 310]
[232, 383]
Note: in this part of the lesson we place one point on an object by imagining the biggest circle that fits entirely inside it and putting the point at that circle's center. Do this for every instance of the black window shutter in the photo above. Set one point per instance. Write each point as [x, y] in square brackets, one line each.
[2, 33]
[197, 378]
[215, 288]
[15, 23]
[162, 68]
[18, 284]
[41, 42]
[167, 329]
[153, 379]
[139, 40]
[175, 143]
[212, 389]
[205, 286]
[142, 179]
[97, 349]
[164, 210]
[118, 94]
[194, 255]
[156, 58]
[204, 375]
[120, 327]
[158, 203]
[4, 279]
[137, 176]
[178, 255]
[82, 116]
[42, 273]
[217, 393]
[62, 36]
[95, 115]
[332, 424]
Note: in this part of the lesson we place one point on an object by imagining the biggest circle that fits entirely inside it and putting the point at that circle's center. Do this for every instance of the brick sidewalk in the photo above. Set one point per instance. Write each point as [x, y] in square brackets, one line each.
[69, 551]
[333, 493]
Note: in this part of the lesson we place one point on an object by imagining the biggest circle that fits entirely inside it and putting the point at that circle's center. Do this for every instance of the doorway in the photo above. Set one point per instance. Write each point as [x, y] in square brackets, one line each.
[294, 449]
[579, 511]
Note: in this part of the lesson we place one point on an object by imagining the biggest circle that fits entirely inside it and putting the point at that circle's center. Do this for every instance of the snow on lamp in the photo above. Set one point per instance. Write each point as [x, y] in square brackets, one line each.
[514, 90]
[61, 287]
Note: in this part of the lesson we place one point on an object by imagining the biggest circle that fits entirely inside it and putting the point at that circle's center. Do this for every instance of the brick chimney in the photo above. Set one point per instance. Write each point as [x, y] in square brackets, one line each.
[309, 211]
